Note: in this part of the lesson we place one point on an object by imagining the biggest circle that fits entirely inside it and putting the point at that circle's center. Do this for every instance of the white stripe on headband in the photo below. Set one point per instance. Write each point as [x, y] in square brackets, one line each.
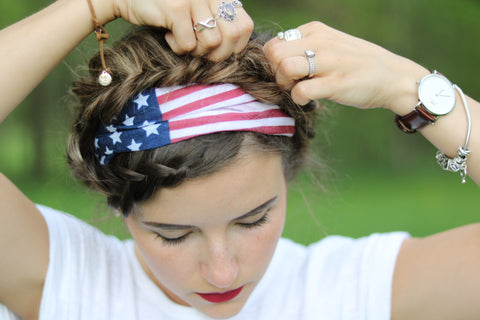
[161, 116]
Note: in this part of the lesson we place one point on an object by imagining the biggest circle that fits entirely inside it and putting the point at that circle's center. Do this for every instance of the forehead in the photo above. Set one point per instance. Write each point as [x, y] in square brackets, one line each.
[230, 192]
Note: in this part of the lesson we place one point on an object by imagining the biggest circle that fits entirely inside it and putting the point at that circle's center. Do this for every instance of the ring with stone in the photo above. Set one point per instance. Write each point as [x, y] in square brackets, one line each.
[209, 23]
[289, 35]
[227, 10]
[311, 63]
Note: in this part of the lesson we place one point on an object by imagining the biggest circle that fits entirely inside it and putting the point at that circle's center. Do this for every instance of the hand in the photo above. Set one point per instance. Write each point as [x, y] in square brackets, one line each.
[179, 16]
[348, 70]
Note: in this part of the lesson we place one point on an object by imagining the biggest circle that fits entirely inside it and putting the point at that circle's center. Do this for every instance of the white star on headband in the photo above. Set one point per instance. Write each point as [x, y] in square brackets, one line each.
[128, 120]
[150, 128]
[162, 116]
[141, 101]
[134, 146]
[115, 137]
[111, 128]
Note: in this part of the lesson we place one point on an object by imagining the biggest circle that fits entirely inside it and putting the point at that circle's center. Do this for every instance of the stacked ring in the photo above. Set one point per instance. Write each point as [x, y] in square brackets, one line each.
[289, 35]
[226, 10]
[311, 63]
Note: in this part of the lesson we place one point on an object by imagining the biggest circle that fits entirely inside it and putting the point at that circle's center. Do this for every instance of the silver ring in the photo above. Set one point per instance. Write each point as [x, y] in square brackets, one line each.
[209, 23]
[227, 10]
[311, 64]
[289, 35]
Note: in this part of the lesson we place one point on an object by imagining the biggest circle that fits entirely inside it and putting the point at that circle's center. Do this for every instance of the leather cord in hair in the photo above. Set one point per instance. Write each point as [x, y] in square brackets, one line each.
[102, 36]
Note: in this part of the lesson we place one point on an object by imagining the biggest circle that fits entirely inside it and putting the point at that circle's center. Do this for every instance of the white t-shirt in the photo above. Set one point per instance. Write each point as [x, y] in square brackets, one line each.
[93, 276]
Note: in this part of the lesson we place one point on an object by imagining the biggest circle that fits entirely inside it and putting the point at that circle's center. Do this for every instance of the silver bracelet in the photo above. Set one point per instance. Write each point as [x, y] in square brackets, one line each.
[459, 163]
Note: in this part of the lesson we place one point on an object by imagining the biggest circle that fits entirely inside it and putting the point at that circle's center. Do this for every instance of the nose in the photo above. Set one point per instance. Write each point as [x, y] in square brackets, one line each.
[220, 268]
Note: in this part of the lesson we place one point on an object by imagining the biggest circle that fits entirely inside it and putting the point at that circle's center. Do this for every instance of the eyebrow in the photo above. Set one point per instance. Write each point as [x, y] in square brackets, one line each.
[173, 227]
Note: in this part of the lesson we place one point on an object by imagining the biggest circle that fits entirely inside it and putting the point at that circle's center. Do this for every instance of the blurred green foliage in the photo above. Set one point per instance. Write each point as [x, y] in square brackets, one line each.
[378, 179]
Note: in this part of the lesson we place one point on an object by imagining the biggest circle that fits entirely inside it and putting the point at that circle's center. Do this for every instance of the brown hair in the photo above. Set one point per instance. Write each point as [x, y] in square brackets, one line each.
[143, 60]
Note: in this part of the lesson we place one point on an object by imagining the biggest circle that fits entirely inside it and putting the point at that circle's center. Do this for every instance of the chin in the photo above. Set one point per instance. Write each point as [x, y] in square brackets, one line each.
[222, 314]
[223, 310]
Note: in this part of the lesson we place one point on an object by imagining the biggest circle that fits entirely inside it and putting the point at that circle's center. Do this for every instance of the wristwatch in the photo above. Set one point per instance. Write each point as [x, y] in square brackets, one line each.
[436, 97]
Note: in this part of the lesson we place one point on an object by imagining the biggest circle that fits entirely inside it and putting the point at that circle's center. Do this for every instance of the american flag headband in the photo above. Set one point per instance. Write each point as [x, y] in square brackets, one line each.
[162, 116]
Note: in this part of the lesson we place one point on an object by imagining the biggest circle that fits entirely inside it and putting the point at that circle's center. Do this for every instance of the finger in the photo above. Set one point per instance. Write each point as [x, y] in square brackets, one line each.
[244, 32]
[182, 36]
[279, 54]
[208, 35]
[311, 89]
[277, 49]
[235, 31]
[292, 69]
[235, 35]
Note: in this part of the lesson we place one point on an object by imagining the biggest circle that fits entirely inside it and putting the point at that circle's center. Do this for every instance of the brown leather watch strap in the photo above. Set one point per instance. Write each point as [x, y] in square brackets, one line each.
[415, 120]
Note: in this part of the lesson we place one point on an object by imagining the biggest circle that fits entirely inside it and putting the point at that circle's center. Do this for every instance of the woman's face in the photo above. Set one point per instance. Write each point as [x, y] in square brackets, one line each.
[208, 242]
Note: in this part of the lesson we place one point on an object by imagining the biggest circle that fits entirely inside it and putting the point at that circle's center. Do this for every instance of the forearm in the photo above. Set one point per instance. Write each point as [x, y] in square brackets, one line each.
[31, 48]
[358, 73]
[450, 131]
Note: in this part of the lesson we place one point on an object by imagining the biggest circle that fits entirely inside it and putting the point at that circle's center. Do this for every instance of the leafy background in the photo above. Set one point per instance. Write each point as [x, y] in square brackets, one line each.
[375, 179]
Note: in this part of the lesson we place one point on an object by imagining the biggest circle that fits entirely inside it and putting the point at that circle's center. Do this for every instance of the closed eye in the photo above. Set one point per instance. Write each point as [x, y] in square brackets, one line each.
[172, 241]
[257, 223]
[246, 221]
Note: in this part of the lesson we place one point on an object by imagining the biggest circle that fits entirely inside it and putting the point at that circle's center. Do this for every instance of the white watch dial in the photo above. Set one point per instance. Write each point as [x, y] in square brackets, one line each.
[437, 94]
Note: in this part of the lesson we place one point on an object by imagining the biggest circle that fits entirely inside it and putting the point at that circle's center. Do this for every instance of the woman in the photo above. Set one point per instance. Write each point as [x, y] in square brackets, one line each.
[206, 213]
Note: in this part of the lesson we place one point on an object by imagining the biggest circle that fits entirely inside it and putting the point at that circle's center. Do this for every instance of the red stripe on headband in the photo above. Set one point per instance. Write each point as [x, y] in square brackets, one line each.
[200, 103]
[175, 94]
[179, 113]
[190, 107]
[188, 123]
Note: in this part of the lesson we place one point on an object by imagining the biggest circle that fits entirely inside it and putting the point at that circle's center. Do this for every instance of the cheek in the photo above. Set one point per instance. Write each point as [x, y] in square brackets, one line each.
[164, 262]
[258, 250]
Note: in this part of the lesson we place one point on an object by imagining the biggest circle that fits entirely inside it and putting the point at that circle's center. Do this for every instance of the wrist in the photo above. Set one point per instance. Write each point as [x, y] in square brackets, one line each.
[404, 95]
[104, 10]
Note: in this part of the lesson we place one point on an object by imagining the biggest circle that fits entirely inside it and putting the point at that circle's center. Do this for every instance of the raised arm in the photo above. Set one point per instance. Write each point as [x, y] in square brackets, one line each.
[435, 277]
[29, 50]
[355, 72]
[32, 47]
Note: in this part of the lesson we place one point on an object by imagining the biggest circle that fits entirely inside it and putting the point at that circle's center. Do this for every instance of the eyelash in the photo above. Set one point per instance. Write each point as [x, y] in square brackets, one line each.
[176, 241]
[171, 241]
[260, 222]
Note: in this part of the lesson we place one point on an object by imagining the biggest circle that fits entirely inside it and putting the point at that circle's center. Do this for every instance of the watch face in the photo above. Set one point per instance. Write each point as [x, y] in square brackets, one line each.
[437, 94]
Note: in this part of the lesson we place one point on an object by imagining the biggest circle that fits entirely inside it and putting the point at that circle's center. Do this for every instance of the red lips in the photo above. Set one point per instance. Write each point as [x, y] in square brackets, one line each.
[218, 297]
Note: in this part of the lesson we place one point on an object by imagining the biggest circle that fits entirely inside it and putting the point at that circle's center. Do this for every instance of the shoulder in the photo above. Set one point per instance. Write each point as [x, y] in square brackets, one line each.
[65, 229]
[55, 218]
[75, 238]
[340, 250]
[352, 263]
[336, 274]
[84, 268]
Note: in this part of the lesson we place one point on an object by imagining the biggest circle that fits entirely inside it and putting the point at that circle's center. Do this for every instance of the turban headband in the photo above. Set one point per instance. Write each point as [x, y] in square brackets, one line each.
[162, 116]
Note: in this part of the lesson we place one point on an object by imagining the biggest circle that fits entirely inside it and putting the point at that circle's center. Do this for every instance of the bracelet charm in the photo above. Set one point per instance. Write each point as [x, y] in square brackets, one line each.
[459, 163]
